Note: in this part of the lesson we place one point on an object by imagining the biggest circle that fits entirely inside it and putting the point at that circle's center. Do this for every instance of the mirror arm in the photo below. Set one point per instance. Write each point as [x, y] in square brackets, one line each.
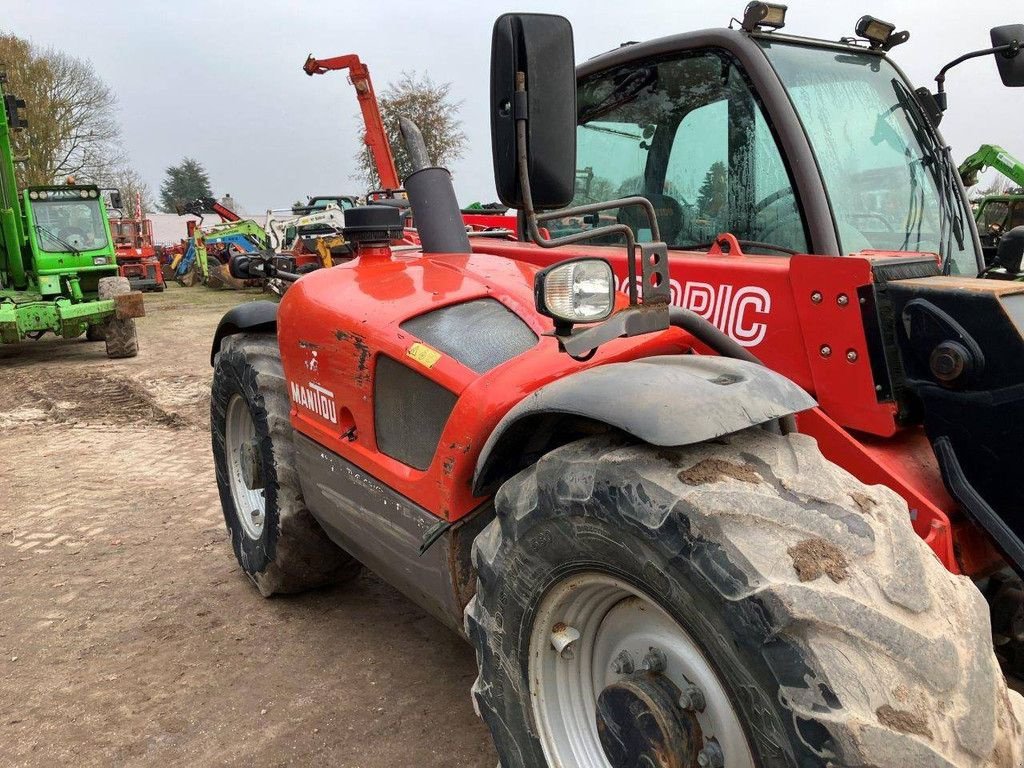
[532, 217]
[1010, 50]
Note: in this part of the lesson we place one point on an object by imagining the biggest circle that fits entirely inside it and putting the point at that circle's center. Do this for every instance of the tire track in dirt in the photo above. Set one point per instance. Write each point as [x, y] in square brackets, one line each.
[128, 636]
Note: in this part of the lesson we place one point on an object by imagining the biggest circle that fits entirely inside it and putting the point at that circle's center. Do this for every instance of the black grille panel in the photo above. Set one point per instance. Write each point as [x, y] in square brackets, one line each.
[409, 413]
[480, 334]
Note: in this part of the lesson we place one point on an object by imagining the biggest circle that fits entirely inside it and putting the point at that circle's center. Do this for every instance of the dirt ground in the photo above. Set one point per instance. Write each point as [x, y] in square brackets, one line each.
[127, 634]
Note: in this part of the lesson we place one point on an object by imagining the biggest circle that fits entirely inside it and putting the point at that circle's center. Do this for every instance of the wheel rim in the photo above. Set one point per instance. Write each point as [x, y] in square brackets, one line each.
[612, 617]
[240, 437]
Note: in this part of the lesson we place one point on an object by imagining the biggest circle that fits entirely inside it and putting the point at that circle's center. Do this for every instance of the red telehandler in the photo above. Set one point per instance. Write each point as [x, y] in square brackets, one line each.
[673, 519]
[136, 255]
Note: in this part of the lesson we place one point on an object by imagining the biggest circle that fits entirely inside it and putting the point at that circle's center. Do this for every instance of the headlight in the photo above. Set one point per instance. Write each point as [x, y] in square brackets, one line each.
[84, 194]
[577, 291]
[43, 195]
[93, 193]
[99, 260]
[33, 195]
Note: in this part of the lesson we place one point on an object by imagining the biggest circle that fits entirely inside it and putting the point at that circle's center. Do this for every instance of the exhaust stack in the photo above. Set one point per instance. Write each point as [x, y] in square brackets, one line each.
[434, 207]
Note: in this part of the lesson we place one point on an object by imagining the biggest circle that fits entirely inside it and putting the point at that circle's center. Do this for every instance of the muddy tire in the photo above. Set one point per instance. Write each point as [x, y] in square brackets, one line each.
[278, 543]
[119, 335]
[832, 633]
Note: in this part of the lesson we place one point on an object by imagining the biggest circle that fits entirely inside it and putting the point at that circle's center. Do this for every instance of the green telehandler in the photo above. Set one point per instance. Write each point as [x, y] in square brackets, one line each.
[996, 213]
[58, 268]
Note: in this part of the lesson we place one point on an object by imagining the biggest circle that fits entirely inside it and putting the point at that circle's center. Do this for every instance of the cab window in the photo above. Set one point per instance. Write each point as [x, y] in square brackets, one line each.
[688, 134]
[1016, 214]
[993, 213]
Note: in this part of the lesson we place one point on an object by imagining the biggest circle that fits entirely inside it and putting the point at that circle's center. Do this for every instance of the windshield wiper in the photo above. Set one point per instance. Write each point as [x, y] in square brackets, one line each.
[57, 239]
[951, 222]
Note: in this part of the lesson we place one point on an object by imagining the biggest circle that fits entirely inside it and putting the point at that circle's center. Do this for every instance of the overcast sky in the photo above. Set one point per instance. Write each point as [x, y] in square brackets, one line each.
[222, 82]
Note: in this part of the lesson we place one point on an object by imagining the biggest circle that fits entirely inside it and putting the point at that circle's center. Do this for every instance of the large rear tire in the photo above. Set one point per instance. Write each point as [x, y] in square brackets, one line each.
[119, 335]
[276, 540]
[798, 601]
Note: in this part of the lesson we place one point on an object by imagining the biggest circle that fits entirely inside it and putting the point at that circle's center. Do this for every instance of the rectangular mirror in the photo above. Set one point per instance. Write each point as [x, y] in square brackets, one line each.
[541, 47]
[1011, 70]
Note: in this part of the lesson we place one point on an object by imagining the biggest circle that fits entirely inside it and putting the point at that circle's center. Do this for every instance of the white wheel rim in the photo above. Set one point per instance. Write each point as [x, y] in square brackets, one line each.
[612, 616]
[250, 504]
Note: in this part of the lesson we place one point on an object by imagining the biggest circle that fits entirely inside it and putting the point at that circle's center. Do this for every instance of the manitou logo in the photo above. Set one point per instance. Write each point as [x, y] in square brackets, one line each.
[737, 311]
[316, 399]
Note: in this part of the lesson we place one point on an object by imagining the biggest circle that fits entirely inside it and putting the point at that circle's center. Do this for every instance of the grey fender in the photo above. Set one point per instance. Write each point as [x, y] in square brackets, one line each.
[251, 317]
[664, 401]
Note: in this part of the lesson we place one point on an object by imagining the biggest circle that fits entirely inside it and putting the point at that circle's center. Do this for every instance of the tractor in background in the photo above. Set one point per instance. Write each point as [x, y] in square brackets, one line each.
[996, 214]
[58, 269]
[137, 257]
[756, 507]
[209, 249]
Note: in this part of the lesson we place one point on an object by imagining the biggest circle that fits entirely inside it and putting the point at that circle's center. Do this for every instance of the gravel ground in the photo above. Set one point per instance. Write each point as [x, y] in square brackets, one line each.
[127, 634]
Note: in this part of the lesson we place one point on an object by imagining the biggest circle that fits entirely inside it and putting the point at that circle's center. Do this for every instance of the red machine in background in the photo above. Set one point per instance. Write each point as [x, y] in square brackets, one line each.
[377, 141]
[136, 256]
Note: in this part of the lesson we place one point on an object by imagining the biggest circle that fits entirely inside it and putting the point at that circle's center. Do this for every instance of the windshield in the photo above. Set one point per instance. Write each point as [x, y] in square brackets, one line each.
[888, 182]
[65, 225]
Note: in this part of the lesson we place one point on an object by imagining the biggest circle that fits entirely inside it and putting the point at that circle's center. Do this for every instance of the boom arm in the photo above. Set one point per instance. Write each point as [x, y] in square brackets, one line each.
[991, 156]
[202, 205]
[375, 137]
[12, 230]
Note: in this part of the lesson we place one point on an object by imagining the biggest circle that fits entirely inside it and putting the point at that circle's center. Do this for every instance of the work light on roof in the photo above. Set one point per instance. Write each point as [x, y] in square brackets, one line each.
[758, 15]
[879, 34]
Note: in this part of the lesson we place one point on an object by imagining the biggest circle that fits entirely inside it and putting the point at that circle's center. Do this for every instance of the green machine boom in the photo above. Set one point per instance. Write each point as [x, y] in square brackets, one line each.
[58, 268]
[998, 213]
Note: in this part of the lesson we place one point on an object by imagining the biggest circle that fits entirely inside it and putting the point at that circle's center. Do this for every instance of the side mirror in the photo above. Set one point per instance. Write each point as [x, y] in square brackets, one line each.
[115, 200]
[539, 48]
[1010, 61]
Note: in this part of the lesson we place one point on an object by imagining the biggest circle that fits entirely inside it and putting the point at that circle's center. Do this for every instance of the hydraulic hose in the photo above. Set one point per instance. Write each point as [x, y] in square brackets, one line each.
[721, 343]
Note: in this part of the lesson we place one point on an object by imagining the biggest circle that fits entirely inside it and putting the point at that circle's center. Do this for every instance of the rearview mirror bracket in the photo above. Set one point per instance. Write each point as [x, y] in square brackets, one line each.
[1007, 50]
[653, 257]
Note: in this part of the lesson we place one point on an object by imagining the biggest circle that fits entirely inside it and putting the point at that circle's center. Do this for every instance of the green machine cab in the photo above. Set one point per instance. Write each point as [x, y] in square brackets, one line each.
[58, 268]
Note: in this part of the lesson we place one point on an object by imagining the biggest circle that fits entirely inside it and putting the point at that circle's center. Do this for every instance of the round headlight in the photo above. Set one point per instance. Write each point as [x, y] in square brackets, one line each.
[577, 291]
[33, 195]
[43, 195]
[84, 194]
[93, 193]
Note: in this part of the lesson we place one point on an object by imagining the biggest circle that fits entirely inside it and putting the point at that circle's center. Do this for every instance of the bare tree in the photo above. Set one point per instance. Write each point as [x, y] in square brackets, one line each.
[1000, 186]
[430, 106]
[72, 127]
[132, 188]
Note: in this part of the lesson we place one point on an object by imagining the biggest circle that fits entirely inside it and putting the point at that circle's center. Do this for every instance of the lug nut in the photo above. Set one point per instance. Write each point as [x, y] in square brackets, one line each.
[655, 661]
[692, 699]
[711, 756]
[851, 355]
[563, 640]
[623, 664]
[826, 350]
[816, 297]
[842, 300]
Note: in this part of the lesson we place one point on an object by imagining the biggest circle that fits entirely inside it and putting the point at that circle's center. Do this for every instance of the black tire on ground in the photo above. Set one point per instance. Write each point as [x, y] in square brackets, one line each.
[830, 624]
[94, 333]
[119, 335]
[292, 553]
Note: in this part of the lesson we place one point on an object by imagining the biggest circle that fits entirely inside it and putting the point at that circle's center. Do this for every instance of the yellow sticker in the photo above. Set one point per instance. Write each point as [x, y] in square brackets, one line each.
[423, 354]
